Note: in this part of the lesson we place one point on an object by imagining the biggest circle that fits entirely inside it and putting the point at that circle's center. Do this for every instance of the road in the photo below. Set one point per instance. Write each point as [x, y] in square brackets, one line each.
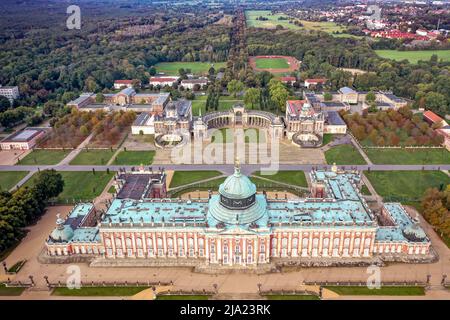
[228, 168]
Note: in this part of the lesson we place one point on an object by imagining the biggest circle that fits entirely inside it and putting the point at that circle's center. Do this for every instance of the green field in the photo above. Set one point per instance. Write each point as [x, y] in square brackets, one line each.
[93, 157]
[383, 291]
[344, 155]
[44, 157]
[9, 179]
[171, 68]
[225, 104]
[226, 135]
[181, 178]
[212, 185]
[408, 156]
[98, 291]
[273, 21]
[10, 291]
[268, 63]
[295, 178]
[325, 26]
[327, 138]
[134, 158]
[80, 185]
[413, 56]
[405, 186]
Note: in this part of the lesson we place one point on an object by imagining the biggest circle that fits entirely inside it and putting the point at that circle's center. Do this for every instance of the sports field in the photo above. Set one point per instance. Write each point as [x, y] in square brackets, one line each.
[413, 56]
[171, 68]
[275, 63]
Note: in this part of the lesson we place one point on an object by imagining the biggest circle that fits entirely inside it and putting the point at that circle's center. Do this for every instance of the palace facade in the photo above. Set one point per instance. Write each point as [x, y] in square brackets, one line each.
[239, 227]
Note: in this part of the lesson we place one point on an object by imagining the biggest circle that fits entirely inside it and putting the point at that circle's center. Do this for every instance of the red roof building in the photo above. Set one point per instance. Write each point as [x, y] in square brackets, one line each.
[288, 79]
[431, 117]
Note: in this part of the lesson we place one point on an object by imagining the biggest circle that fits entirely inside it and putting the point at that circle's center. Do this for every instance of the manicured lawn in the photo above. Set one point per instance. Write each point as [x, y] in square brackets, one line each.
[275, 63]
[181, 178]
[405, 186]
[272, 21]
[10, 291]
[365, 191]
[171, 68]
[98, 291]
[92, 157]
[182, 297]
[414, 56]
[9, 179]
[408, 156]
[212, 185]
[226, 135]
[81, 185]
[383, 291]
[291, 297]
[134, 158]
[344, 155]
[44, 157]
[327, 138]
[295, 178]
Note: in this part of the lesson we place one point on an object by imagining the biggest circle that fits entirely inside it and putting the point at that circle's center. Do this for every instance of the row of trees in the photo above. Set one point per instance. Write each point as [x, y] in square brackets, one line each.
[20, 208]
[392, 128]
[436, 209]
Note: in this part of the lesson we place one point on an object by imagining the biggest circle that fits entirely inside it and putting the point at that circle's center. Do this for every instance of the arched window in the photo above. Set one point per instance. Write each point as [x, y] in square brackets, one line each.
[128, 243]
[336, 243]
[284, 243]
[139, 242]
[326, 243]
[347, 242]
[191, 243]
[108, 242]
[315, 243]
[305, 243]
[295, 243]
[170, 243]
[118, 242]
[201, 243]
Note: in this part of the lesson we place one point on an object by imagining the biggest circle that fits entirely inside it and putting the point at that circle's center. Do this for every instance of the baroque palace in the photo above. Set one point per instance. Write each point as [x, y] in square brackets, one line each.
[238, 227]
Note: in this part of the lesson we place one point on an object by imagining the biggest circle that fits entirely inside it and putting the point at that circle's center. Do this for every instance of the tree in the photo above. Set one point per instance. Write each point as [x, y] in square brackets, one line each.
[48, 184]
[234, 87]
[436, 102]
[370, 97]
[4, 104]
[327, 96]
[100, 97]
[252, 96]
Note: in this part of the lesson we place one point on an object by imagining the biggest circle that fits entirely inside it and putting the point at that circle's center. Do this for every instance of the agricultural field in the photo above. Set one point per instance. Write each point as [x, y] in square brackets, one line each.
[44, 157]
[273, 20]
[408, 156]
[413, 56]
[9, 179]
[406, 187]
[93, 157]
[198, 68]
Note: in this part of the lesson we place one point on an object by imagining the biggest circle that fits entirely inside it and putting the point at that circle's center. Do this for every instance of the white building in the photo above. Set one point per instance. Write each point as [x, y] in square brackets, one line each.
[23, 140]
[144, 124]
[190, 84]
[10, 92]
[163, 81]
[119, 84]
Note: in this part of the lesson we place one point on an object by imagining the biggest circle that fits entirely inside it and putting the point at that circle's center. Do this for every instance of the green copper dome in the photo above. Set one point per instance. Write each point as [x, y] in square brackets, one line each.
[62, 233]
[237, 186]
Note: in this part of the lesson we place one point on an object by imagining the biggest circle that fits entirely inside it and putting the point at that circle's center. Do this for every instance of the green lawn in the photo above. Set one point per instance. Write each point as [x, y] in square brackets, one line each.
[344, 155]
[134, 158]
[275, 63]
[413, 56]
[181, 178]
[295, 178]
[291, 297]
[81, 185]
[405, 186]
[327, 138]
[93, 157]
[365, 191]
[44, 157]
[9, 179]
[10, 291]
[182, 297]
[383, 291]
[272, 21]
[171, 68]
[225, 104]
[325, 26]
[409, 156]
[226, 135]
[212, 185]
[98, 291]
